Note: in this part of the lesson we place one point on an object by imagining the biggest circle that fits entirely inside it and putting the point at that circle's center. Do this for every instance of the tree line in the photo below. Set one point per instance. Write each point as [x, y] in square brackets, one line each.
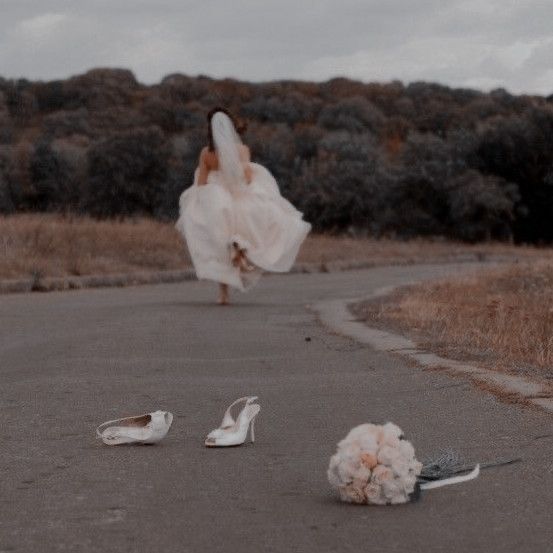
[385, 159]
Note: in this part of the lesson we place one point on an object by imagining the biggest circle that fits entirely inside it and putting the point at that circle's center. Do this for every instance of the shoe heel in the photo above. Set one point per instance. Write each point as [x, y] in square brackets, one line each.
[252, 431]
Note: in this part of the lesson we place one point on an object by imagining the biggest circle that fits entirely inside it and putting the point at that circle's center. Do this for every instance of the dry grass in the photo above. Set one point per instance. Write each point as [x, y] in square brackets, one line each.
[501, 318]
[52, 245]
[328, 248]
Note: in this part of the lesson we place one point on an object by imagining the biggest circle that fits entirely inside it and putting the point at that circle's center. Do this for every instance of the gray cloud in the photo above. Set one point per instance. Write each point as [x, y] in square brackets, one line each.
[474, 43]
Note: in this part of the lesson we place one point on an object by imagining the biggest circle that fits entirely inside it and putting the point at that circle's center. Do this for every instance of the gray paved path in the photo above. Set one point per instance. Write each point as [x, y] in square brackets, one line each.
[69, 361]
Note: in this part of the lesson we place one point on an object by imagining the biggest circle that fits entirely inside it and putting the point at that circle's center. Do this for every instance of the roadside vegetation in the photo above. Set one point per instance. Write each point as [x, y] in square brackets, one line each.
[44, 245]
[501, 318]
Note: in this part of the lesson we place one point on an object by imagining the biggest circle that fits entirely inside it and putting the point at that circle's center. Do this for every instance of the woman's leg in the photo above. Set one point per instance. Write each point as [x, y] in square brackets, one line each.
[223, 294]
[240, 259]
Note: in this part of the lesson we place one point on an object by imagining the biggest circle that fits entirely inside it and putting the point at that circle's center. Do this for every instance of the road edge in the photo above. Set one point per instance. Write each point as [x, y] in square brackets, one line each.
[335, 314]
[37, 283]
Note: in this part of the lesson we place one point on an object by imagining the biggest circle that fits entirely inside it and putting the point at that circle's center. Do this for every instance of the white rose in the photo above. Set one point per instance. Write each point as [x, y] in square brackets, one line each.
[349, 449]
[373, 493]
[387, 455]
[391, 434]
[347, 470]
[363, 473]
[352, 494]
[409, 485]
[400, 467]
[407, 449]
[393, 491]
[381, 473]
[368, 443]
[333, 471]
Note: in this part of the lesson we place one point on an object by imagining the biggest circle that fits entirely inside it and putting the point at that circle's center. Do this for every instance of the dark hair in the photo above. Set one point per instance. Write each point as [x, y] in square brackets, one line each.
[239, 125]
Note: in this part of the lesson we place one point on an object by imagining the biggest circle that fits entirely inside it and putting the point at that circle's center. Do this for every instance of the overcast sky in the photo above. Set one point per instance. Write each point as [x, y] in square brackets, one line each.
[470, 43]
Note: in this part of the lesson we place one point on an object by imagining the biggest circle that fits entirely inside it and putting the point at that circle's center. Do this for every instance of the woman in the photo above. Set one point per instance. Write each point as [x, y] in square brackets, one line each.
[233, 218]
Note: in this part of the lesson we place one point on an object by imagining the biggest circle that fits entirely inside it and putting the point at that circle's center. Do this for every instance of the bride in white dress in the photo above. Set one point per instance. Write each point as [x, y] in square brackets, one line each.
[233, 218]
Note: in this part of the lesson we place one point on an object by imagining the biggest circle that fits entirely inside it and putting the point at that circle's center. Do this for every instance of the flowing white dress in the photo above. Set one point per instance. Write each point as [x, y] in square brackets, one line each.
[254, 216]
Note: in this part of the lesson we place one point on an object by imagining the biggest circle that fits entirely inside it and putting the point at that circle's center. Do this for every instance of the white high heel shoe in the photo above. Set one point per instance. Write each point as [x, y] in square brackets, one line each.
[142, 429]
[234, 432]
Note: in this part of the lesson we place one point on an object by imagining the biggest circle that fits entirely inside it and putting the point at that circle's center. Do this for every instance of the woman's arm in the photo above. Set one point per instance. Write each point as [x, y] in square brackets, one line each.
[245, 157]
[203, 168]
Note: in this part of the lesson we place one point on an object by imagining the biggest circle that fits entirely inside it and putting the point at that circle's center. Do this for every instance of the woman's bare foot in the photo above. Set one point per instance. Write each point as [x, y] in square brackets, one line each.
[223, 294]
[245, 265]
[240, 259]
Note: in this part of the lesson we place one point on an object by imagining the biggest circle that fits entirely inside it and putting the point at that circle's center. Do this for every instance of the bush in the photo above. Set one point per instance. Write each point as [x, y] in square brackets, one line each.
[274, 148]
[338, 190]
[292, 109]
[50, 181]
[53, 95]
[20, 101]
[99, 89]
[127, 173]
[7, 205]
[519, 149]
[481, 207]
[170, 117]
[66, 123]
[352, 114]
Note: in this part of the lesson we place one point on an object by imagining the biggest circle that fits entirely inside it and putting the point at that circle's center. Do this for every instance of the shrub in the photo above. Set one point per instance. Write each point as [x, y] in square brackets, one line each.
[7, 204]
[291, 109]
[338, 190]
[351, 114]
[519, 149]
[99, 89]
[126, 173]
[50, 181]
[66, 123]
[481, 207]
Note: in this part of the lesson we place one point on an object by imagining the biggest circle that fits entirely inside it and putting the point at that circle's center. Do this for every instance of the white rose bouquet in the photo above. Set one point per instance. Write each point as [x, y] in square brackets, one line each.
[375, 464]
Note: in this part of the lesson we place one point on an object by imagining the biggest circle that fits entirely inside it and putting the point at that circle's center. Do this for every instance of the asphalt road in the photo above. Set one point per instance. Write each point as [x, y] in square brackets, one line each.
[69, 361]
